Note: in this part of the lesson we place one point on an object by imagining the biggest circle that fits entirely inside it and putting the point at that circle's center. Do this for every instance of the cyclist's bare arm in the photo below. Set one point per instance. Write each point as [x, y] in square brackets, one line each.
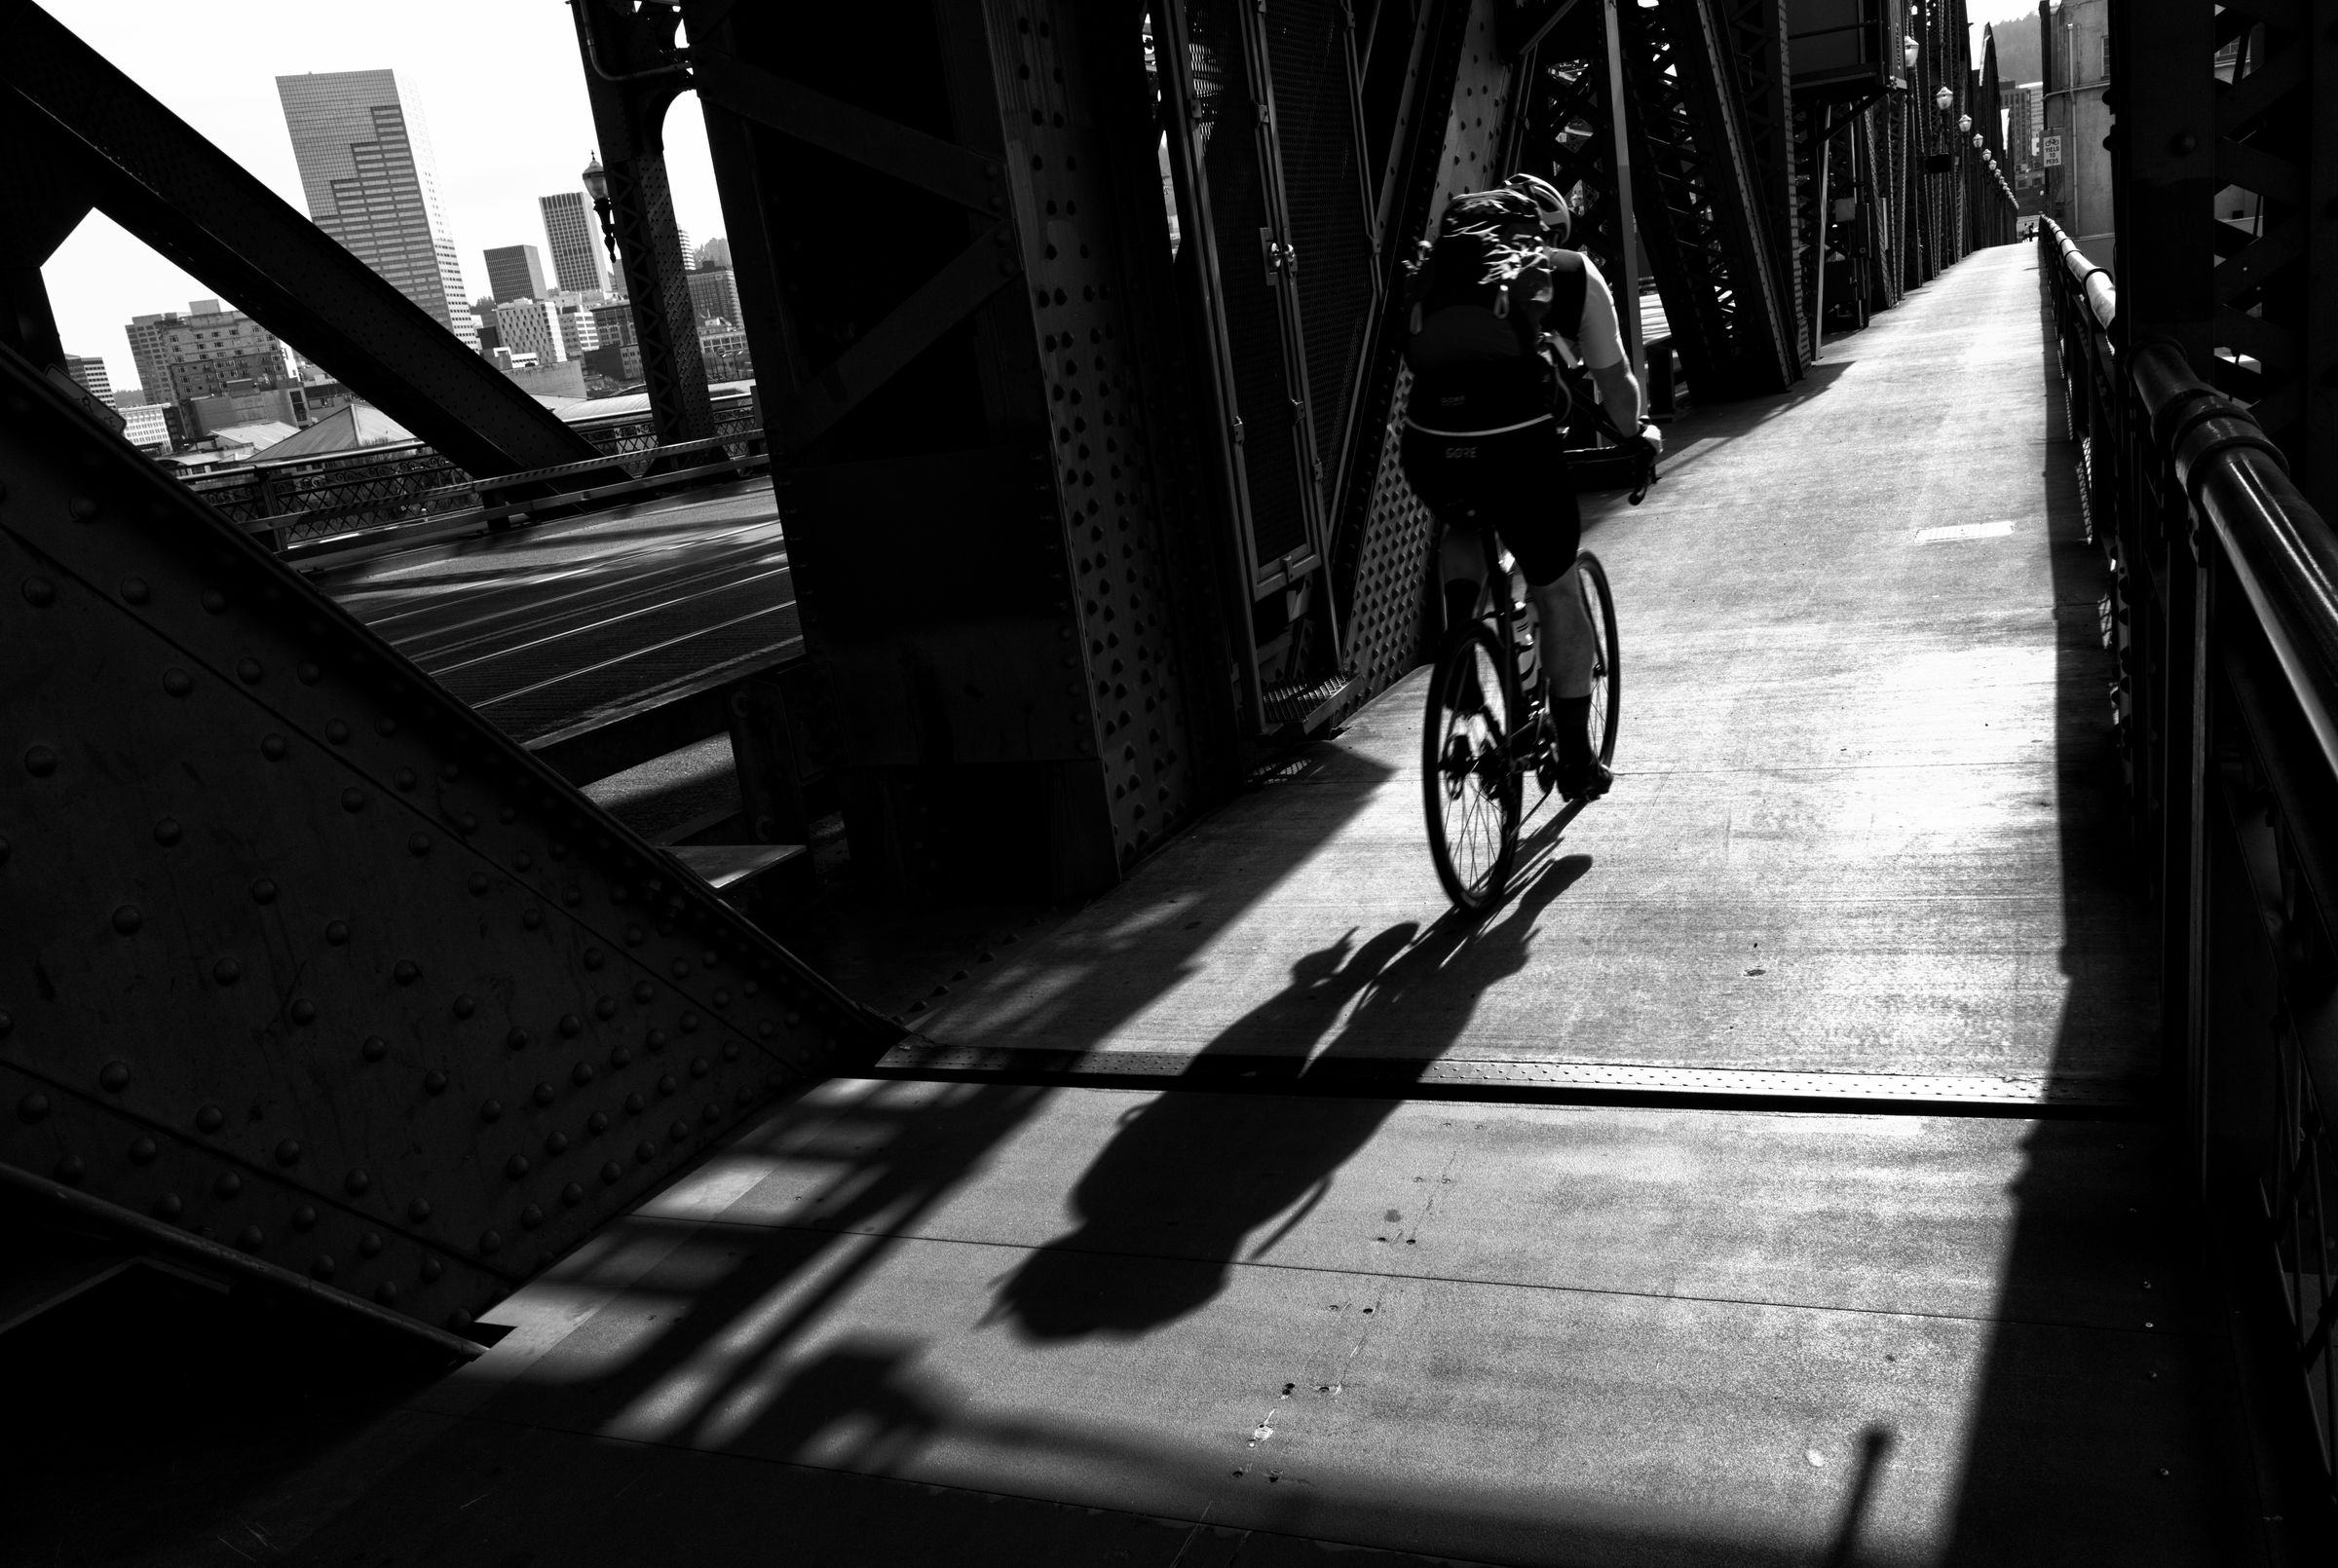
[1603, 347]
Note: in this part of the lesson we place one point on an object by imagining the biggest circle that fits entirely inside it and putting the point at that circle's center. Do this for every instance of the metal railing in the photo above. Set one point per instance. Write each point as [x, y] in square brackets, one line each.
[2223, 608]
[309, 506]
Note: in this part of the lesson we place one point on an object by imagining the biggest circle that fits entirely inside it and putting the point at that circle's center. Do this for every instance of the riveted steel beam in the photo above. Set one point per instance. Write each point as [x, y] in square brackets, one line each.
[302, 955]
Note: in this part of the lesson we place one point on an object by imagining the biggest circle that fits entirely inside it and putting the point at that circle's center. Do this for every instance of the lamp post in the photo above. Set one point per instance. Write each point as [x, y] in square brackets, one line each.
[596, 186]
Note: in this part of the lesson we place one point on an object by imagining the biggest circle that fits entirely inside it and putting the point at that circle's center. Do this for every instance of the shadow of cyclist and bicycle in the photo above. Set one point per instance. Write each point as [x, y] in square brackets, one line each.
[1193, 1183]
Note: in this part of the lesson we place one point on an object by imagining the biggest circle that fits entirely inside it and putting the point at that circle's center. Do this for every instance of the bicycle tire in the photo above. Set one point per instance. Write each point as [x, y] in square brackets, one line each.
[1607, 655]
[1471, 795]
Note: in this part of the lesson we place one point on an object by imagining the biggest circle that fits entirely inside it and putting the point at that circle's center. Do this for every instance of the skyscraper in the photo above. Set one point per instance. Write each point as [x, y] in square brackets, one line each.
[372, 183]
[514, 272]
[575, 231]
[89, 374]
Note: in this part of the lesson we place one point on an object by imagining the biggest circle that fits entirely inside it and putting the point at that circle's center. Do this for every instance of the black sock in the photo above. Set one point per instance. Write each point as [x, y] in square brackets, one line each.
[1571, 717]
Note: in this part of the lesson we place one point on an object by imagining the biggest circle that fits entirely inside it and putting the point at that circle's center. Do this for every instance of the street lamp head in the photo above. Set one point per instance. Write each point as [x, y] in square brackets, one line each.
[1943, 99]
[1910, 49]
[596, 181]
[1978, 141]
[1964, 123]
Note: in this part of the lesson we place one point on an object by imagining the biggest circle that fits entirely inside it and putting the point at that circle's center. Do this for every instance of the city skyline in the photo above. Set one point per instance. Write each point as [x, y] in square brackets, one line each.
[502, 140]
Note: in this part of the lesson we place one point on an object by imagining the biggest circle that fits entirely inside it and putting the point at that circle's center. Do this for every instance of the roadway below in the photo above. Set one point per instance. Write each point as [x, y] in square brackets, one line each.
[1771, 1180]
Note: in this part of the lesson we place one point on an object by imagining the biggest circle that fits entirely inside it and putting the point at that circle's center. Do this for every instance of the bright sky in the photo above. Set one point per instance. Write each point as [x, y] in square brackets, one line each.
[501, 85]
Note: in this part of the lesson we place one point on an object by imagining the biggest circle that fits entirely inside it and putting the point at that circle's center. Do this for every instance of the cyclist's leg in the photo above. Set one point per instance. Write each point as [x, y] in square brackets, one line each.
[1545, 537]
[1446, 472]
[1461, 568]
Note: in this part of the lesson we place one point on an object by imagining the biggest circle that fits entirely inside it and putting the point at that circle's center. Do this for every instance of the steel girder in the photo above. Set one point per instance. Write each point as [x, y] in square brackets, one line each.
[995, 509]
[152, 173]
[300, 956]
[632, 74]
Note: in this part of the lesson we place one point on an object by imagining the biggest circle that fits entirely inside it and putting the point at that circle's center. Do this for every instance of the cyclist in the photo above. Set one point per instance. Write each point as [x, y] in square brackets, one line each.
[1483, 426]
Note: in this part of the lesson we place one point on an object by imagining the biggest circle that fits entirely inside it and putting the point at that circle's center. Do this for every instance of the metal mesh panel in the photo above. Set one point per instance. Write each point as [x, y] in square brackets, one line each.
[1307, 51]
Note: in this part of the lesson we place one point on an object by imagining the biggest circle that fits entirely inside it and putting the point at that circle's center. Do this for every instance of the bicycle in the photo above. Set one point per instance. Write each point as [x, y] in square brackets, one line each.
[1484, 731]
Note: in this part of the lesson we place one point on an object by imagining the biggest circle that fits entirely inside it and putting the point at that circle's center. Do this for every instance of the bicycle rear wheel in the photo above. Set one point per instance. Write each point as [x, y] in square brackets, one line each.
[1470, 766]
[1607, 655]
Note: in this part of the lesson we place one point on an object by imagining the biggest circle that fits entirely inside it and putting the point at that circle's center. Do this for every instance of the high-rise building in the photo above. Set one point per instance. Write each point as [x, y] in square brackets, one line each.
[372, 183]
[198, 353]
[714, 295]
[575, 232]
[579, 332]
[715, 252]
[88, 373]
[690, 257]
[530, 327]
[515, 272]
[146, 334]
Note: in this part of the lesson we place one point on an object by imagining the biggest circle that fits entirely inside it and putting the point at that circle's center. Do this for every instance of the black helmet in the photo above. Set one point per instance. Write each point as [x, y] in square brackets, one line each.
[1549, 203]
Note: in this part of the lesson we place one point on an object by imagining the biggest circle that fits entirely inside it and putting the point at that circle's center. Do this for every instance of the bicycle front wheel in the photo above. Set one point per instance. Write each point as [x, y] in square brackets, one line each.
[1607, 655]
[1470, 766]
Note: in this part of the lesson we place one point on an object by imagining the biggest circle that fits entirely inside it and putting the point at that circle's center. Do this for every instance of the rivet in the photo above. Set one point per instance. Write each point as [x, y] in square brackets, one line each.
[729, 1050]
[419, 1210]
[273, 747]
[134, 590]
[699, 1066]
[523, 861]
[636, 1105]
[544, 1094]
[306, 673]
[478, 884]
[168, 832]
[555, 1143]
[645, 1151]
[611, 1172]
[711, 1114]
[570, 897]
[465, 1007]
[227, 971]
[353, 799]
[405, 971]
[594, 959]
[531, 919]
[168, 1207]
[214, 601]
[506, 816]
[385, 726]
[447, 771]
[263, 891]
[144, 1150]
[356, 1183]
[40, 761]
[288, 1151]
[374, 1048]
[210, 1119]
[721, 998]
[681, 967]
[304, 1011]
[127, 919]
[517, 1039]
[336, 932]
[369, 1244]
[228, 1184]
[633, 936]
[604, 1007]
[251, 1238]
[419, 844]
[466, 823]
[571, 1025]
[689, 1022]
[248, 671]
[404, 778]
[763, 1027]
[40, 592]
[572, 1195]
[433, 1082]
[70, 1170]
[655, 1040]
[431, 1268]
[305, 1217]
[336, 732]
[597, 1123]
[622, 1057]
[114, 1077]
[644, 993]
[679, 1131]
[322, 1267]
[668, 1084]
[531, 1217]
[490, 1109]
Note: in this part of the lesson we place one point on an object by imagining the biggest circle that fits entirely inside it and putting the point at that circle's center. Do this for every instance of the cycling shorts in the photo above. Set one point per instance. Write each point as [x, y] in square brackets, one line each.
[1518, 481]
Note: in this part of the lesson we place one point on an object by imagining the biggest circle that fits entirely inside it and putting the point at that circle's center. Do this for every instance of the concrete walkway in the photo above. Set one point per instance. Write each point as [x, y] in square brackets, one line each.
[1539, 1301]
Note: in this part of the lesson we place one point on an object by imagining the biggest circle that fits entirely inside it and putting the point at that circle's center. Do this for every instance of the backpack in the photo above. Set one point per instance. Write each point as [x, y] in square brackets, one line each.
[1481, 295]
